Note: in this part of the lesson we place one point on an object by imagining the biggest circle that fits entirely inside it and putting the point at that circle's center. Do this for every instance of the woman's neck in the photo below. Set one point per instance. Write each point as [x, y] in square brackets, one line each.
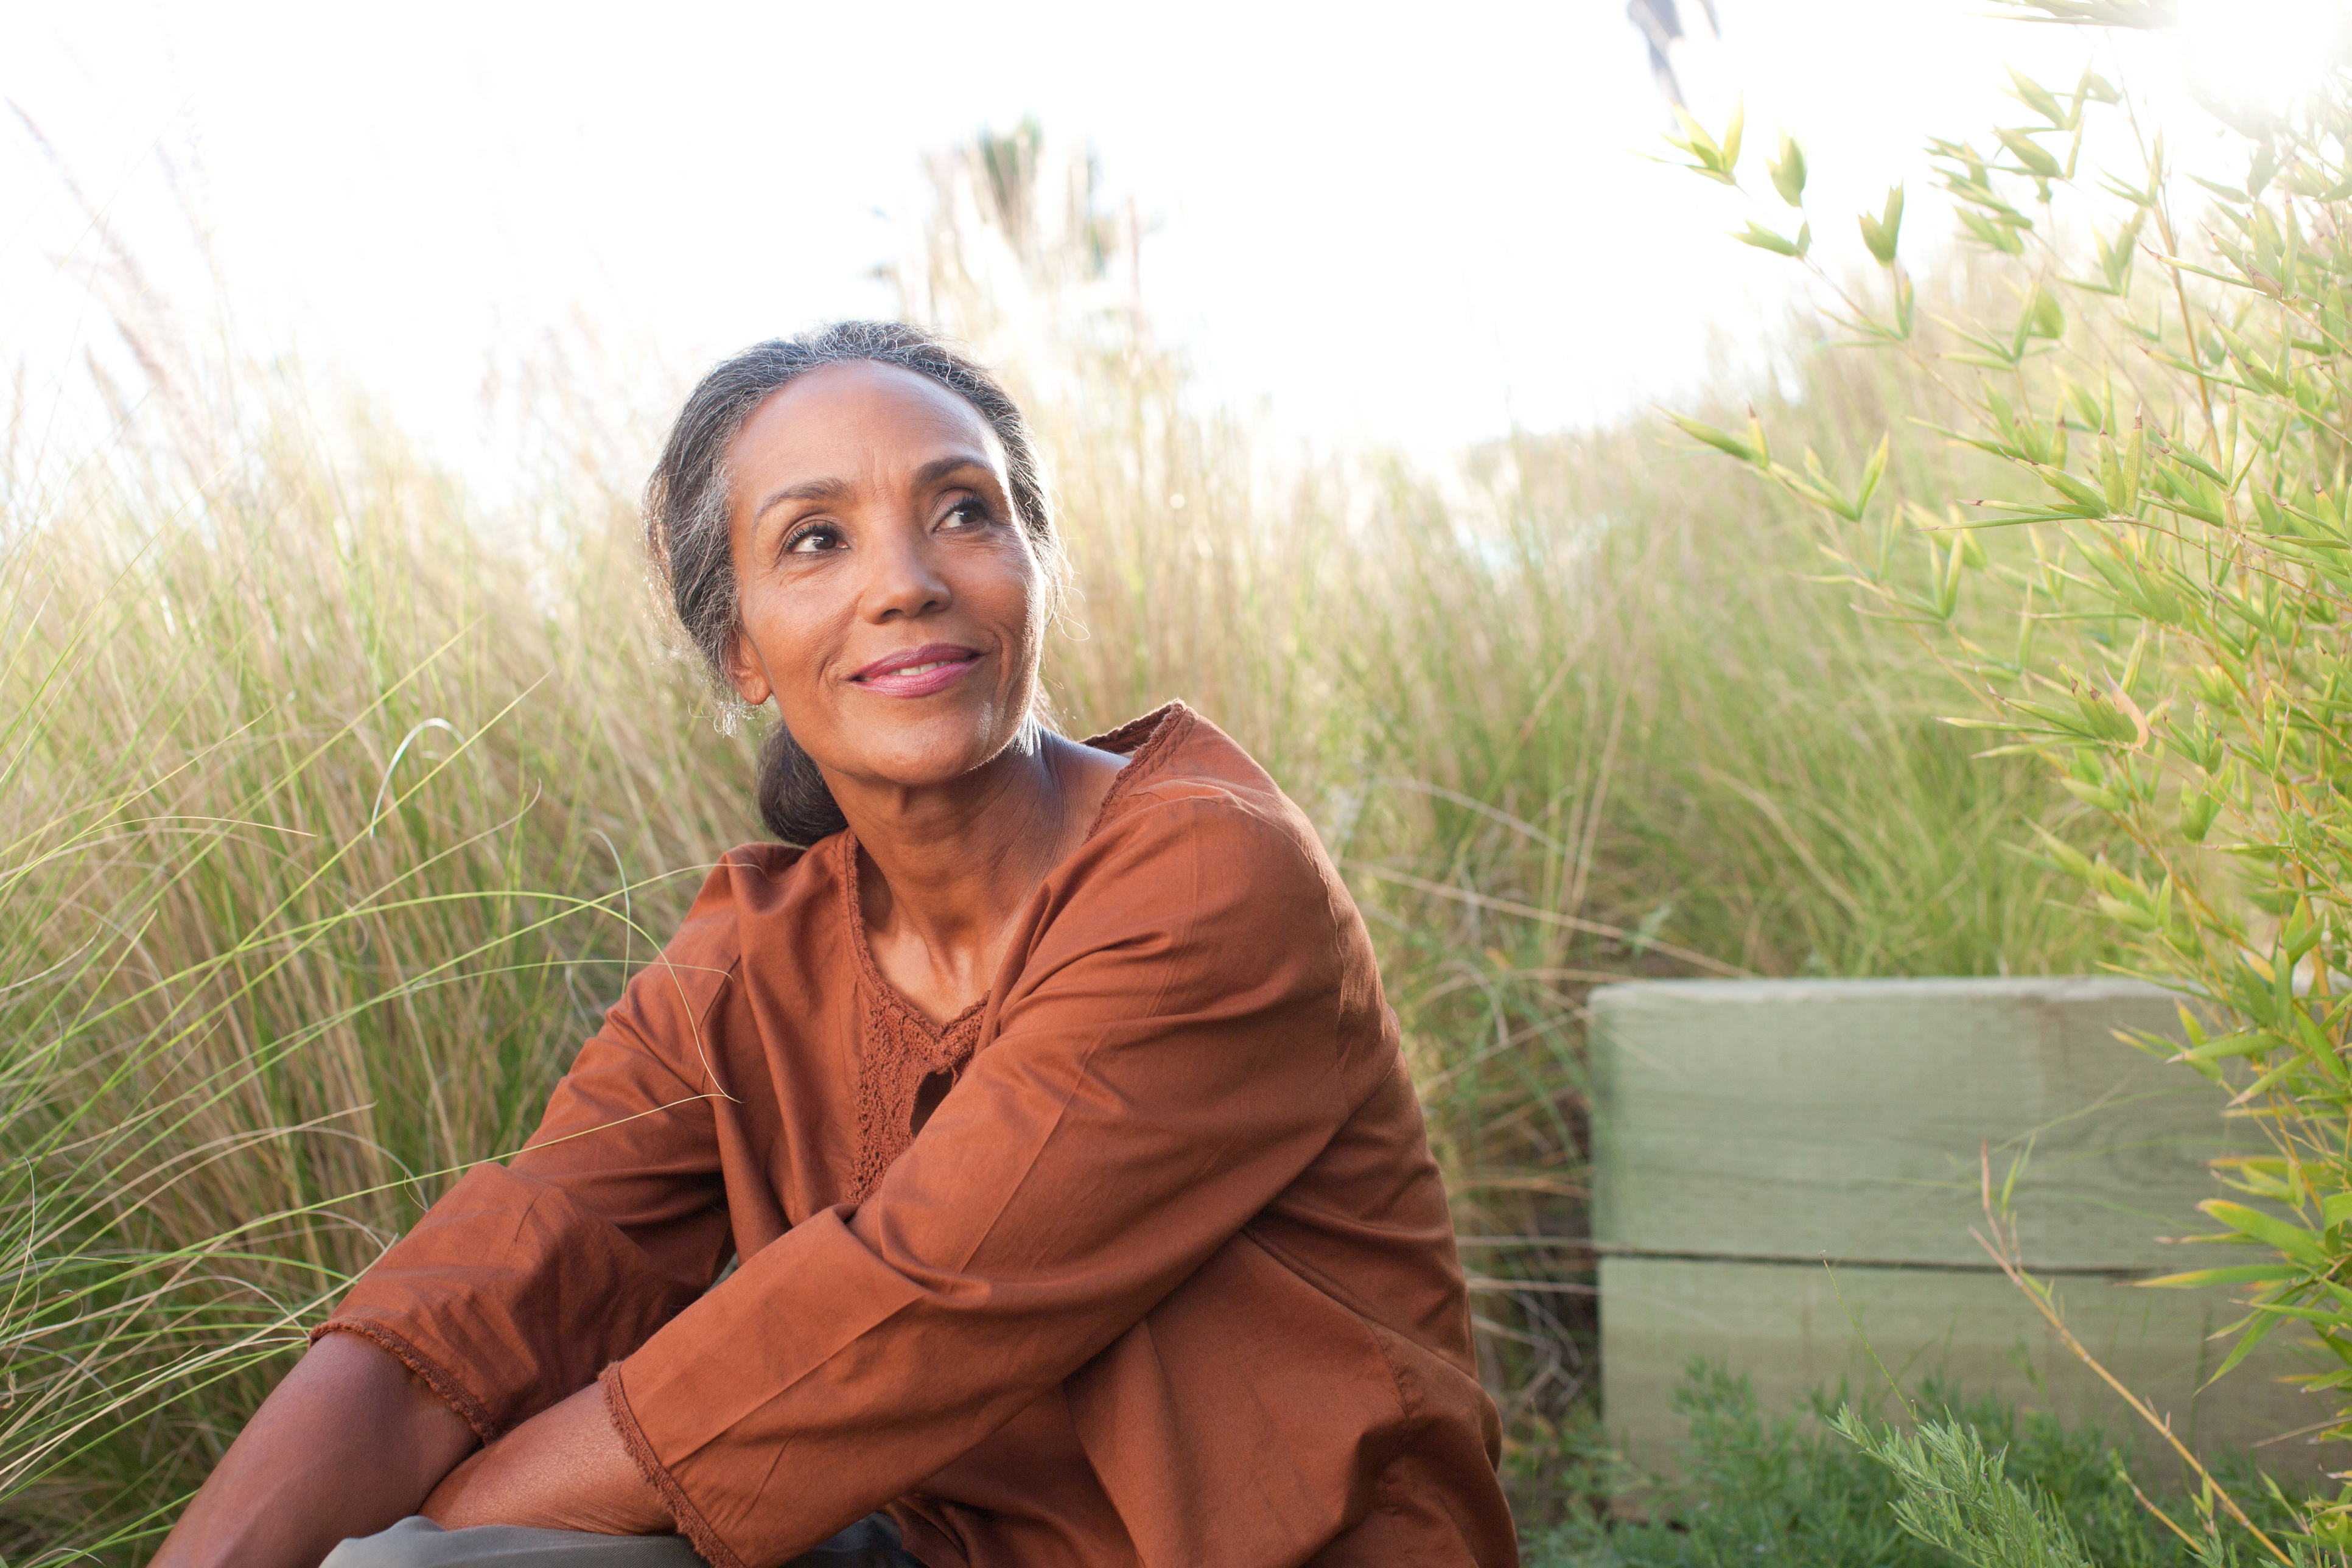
[946, 871]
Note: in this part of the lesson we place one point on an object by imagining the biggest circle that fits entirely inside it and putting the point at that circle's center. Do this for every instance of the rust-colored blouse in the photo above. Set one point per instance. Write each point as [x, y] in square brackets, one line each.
[1142, 1260]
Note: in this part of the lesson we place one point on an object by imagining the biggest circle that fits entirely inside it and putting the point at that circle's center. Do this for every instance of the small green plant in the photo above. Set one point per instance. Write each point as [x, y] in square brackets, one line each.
[2163, 592]
[1971, 1478]
[1953, 1493]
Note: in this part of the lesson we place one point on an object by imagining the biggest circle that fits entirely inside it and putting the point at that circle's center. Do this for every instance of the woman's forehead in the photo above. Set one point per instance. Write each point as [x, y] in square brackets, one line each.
[855, 417]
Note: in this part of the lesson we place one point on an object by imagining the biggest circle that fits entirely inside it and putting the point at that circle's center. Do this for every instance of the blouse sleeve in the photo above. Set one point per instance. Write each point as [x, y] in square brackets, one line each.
[527, 1278]
[1169, 1064]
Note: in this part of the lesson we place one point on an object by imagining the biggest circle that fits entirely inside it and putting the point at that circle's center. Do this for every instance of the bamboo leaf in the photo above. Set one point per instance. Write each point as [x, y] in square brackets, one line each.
[2073, 489]
[1871, 473]
[2236, 1274]
[2291, 1240]
[1788, 171]
[1881, 233]
[1721, 440]
[2023, 147]
[2248, 1338]
[2039, 99]
[1763, 238]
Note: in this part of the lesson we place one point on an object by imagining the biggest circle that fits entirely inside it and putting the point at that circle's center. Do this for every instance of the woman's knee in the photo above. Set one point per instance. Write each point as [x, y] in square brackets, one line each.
[412, 1544]
[419, 1542]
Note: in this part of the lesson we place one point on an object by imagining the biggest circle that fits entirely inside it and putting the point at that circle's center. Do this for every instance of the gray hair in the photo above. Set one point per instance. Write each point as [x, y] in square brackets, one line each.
[689, 502]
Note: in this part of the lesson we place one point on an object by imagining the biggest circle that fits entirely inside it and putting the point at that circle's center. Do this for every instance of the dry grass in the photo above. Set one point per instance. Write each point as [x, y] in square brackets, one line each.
[328, 823]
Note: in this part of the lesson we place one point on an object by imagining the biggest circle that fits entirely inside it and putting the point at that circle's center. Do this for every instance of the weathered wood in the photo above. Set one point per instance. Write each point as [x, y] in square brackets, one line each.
[1745, 1132]
[1799, 1119]
[1784, 1326]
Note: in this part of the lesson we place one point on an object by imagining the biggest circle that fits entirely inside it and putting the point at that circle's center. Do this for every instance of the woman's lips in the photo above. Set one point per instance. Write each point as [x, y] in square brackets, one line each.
[918, 671]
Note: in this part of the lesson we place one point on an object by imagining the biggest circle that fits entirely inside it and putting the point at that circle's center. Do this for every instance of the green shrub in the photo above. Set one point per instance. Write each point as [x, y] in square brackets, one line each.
[1814, 1487]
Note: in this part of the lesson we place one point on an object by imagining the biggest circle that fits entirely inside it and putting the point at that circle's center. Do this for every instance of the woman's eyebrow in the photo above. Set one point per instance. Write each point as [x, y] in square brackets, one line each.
[939, 468]
[813, 489]
[931, 472]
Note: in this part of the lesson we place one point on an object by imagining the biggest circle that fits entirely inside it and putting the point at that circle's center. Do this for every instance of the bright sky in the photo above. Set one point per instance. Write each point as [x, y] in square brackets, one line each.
[1416, 222]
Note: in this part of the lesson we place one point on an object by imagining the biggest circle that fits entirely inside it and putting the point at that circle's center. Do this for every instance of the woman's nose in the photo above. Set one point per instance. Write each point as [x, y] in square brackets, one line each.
[903, 581]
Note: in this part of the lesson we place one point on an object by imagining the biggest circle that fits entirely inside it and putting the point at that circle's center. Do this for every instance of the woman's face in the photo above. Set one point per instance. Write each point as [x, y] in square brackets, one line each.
[890, 602]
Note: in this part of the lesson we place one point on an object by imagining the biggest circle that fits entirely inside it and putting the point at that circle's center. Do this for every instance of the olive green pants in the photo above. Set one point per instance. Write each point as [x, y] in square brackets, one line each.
[871, 1543]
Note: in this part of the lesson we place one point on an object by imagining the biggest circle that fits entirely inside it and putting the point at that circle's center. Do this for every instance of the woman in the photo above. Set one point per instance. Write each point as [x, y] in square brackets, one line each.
[1047, 1100]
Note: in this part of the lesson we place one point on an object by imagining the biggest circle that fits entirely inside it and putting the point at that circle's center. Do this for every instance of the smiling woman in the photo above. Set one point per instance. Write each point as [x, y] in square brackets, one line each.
[1047, 1101]
[693, 528]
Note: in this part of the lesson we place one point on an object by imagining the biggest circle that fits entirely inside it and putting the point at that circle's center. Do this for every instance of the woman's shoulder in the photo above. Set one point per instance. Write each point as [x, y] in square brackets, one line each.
[776, 900]
[760, 880]
[1204, 882]
[1190, 793]
[1175, 754]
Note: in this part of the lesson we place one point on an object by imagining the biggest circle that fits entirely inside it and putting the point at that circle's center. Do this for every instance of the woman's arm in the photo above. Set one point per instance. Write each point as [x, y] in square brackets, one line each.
[525, 1280]
[565, 1468]
[508, 1296]
[348, 1444]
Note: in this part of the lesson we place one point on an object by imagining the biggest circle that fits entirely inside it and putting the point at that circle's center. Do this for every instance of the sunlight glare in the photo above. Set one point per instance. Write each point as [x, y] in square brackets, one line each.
[2267, 51]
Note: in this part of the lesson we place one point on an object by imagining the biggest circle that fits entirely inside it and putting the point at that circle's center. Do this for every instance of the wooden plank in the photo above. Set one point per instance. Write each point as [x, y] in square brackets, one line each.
[1802, 1119]
[1782, 1324]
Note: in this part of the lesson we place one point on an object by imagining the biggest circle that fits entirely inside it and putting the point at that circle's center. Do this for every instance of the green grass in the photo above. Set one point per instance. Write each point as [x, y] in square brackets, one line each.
[322, 845]
[1783, 1491]
[335, 804]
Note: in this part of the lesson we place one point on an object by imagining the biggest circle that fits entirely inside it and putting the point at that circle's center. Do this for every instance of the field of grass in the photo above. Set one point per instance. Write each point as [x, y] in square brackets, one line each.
[335, 803]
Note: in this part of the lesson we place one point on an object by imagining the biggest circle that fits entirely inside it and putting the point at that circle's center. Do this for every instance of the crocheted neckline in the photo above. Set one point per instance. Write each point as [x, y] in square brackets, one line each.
[900, 1047]
[1143, 739]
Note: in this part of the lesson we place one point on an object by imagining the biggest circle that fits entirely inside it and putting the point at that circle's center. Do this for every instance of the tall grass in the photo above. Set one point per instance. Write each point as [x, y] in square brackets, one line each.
[325, 824]
[334, 806]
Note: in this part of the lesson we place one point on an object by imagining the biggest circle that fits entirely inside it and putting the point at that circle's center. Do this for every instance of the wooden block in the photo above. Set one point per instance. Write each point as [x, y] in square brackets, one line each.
[1782, 1324]
[1844, 1118]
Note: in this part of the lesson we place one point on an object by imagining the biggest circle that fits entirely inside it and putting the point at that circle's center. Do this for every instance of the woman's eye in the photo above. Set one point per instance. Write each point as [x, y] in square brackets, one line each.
[967, 514]
[809, 541]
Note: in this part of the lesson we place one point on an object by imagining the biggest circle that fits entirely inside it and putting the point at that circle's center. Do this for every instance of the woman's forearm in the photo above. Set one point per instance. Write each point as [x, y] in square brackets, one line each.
[565, 1468]
[350, 1443]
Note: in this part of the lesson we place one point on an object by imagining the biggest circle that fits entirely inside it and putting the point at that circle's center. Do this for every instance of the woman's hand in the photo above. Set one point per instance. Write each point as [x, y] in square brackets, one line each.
[565, 1468]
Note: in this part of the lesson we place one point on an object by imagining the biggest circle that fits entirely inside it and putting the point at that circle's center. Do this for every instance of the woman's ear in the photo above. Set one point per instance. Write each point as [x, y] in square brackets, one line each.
[745, 671]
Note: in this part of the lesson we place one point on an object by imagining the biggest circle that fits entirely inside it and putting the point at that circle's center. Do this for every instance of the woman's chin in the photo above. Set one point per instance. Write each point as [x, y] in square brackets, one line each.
[927, 752]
